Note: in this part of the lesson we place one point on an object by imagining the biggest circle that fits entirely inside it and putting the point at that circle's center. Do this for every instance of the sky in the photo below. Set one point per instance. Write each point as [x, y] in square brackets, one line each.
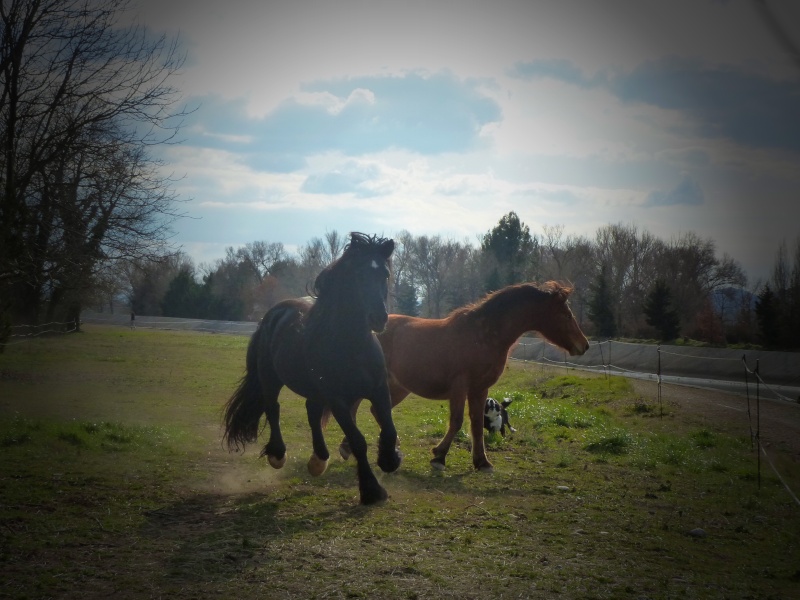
[439, 117]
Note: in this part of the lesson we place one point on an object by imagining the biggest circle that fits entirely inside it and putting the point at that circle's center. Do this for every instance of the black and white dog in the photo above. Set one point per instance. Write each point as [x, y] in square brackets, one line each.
[495, 416]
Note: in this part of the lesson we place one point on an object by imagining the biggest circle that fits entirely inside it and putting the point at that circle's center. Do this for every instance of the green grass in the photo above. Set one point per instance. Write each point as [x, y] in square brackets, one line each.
[113, 482]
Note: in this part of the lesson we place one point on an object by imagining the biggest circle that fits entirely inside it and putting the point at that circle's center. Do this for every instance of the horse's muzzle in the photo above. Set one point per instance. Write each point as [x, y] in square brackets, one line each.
[377, 323]
[580, 348]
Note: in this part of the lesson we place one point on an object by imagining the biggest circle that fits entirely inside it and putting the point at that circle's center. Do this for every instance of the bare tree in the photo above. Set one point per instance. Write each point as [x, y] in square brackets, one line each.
[312, 259]
[146, 281]
[447, 272]
[553, 252]
[691, 266]
[82, 102]
[616, 247]
[262, 257]
[404, 280]
[335, 244]
[569, 259]
[464, 277]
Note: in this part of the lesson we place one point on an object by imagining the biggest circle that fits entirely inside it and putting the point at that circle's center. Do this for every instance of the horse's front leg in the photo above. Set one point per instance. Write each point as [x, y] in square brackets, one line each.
[456, 421]
[370, 490]
[389, 457]
[477, 404]
[396, 395]
[318, 461]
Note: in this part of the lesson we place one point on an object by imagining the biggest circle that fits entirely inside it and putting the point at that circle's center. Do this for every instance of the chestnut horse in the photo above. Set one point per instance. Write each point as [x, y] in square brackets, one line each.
[326, 352]
[460, 357]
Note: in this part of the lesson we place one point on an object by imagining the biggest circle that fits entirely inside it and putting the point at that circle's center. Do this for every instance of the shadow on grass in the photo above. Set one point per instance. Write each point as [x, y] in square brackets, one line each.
[213, 538]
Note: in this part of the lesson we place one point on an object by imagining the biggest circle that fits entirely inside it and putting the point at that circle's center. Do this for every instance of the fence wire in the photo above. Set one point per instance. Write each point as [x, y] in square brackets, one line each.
[715, 368]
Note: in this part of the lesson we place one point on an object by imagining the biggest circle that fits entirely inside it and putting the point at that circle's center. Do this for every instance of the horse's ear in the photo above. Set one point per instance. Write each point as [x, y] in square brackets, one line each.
[563, 291]
[386, 248]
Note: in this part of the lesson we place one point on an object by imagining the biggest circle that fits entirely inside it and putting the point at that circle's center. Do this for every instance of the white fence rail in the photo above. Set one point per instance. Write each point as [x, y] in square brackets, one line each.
[719, 368]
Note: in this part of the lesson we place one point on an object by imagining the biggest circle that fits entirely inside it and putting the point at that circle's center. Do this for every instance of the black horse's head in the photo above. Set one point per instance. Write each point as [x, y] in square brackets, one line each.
[357, 283]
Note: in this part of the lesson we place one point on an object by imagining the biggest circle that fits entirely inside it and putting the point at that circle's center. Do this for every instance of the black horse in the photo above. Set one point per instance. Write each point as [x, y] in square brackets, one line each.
[325, 351]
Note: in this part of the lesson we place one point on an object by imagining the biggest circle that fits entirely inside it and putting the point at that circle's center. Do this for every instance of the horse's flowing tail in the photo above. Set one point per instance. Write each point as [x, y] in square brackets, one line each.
[244, 409]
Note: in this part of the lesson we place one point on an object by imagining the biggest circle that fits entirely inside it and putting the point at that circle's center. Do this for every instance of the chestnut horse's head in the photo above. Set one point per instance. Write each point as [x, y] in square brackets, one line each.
[560, 326]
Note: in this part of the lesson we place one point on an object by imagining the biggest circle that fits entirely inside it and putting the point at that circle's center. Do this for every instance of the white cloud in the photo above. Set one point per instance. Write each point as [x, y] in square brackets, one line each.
[316, 115]
[687, 192]
[334, 104]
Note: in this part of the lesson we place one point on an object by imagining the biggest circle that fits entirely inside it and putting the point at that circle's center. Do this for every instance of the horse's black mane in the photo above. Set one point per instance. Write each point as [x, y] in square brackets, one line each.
[360, 244]
[335, 307]
[363, 242]
[497, 302]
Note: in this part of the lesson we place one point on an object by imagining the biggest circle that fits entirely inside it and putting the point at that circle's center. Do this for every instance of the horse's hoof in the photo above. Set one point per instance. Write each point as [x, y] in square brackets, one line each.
[344, 451]
[487, 468]
[438, 464]
[392, 464]
[317, 466]
[275, 462]
[374, 496]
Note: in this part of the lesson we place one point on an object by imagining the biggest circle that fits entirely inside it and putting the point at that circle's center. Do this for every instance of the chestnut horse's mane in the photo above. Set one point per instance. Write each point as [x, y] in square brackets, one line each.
[496, 303]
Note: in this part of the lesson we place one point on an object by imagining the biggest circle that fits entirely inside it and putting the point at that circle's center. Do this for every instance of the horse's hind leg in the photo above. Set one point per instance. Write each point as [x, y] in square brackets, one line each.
[344, 448]
[480, 461]
[318, 461]
[275, 449]
[370, 490]
[456, 421]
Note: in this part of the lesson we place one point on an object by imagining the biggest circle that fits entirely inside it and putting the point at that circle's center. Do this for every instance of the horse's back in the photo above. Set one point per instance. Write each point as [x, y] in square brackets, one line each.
[403, 331]
[277, 344]
[419, 355]
[291, 308]
[291, 350]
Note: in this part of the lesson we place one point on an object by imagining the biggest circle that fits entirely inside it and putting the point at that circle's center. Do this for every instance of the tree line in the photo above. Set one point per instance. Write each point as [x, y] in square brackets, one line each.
[86, 214]
[628, 283]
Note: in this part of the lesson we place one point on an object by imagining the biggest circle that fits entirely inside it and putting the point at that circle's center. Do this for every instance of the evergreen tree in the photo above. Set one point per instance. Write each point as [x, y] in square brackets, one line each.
[601, 310]
[509, 253]
[768, 316]
[660, 312]
[779, 320]
[406, 302]
[182, 298]
[226, 291]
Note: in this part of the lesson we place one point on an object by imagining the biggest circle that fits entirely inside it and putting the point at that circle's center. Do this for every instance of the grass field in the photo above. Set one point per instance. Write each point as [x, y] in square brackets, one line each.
[113, 482]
